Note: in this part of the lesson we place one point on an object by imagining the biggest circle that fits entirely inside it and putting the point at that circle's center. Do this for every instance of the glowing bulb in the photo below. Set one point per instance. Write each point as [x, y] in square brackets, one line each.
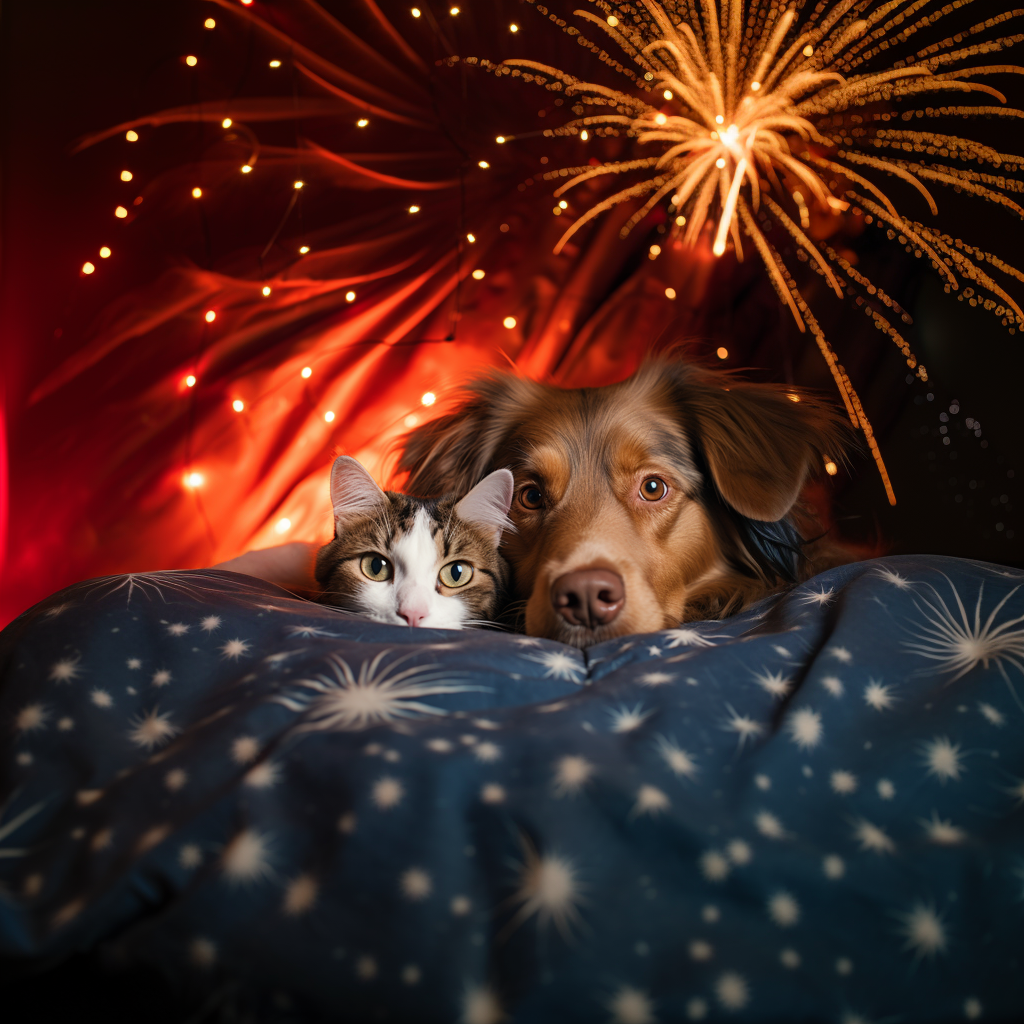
[722, 353]
[454, 11]
[209, 23]
[126, 175]
[471, 237]
[416, 12]
[246, 3]
[190, 381]
[648, 77]
[754, 86]
[121, 212]
[226, 123]
[411, 420]
[500, 139]
[509, 322]
[414, 209]
[350, 296]
[88, 268]
[329, 416]
[612, 20]
[210, 316]
[584, 135]
[484, 164]
[299, 184]
[731, 132]
[478, 275]
[563, 204]
[307, 372]
[131, 136]
[719, 119]
[104, 252]
[194, 480]
[667, 94]
[246, 168]
[303, 249]
[660, 119]
[428, 398]
[238, 405]
[655, 250]
[680, 220]
[792, 397]
[513, 27]
[275, 63]
[831, 468]
[670, 293]
[191, 61]
[283, 525]
[362, 122]
[557, 211]
[266, 290]
[807, 50]
[196, 192]
[720, 162]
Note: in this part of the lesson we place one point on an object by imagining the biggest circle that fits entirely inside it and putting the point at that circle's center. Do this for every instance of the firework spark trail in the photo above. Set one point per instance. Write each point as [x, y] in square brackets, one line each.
[761, 99]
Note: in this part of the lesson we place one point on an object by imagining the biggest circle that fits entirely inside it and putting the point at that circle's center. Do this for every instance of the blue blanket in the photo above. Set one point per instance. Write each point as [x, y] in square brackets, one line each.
[810, 811]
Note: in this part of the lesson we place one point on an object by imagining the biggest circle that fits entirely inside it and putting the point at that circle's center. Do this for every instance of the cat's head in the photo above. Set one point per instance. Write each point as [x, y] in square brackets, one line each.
[412, 561]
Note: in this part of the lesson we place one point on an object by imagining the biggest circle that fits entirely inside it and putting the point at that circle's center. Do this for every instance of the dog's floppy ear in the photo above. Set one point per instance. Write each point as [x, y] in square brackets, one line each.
[759, 440]
[455, 451]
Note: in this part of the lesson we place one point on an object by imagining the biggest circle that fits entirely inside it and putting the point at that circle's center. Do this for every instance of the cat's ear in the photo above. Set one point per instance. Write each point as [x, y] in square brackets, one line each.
[487, 505]
[353, 491]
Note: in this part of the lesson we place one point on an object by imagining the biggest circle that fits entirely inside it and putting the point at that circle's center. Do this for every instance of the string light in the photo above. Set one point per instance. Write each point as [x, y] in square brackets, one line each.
[411, 420]
[428, 398]
[246, 3]
[755, 86]
[238, 405]
[719, 119]
[190, 381]
[131, 135]
[88, 268]
[416, 12]
[509, 322]
[191, 61]
[121, 212]
[104, 252]
[226, 123]
[303, 249]
[266, 290]
[194, 480]
[414, 209]
[667, 94]
[584, 135]
[831, 468]
[720, 162]
[513, 27]
[197, 192]
[722, 353]
[299, 184]
[275, 63]
[654, 252]
[670, 293]
[680, 220]
[126, 175]
[478, 275]
[307, 372]
[210, 316]
[484, 164]
[362, 122]
[660, 119]
[563, 205]
[209, 23]
[471, 237]
[350, 296]
[500, 139]
[612, 20]
[808, 50]
[792, 397]
[246, 168]
[329, 416]
[283, 525]
[454, 11]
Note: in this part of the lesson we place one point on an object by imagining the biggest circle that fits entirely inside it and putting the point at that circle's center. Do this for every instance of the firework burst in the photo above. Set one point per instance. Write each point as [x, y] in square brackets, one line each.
[751, 116]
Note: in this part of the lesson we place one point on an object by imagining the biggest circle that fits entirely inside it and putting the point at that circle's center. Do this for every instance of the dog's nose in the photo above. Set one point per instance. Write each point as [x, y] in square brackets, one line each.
[588, 597]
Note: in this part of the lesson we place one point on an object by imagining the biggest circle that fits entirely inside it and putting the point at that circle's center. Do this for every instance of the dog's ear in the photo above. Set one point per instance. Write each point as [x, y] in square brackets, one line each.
[455, 451]
[760, 441]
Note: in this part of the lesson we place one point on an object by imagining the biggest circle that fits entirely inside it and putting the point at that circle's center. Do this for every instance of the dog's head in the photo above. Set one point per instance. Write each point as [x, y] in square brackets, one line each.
[636, 501]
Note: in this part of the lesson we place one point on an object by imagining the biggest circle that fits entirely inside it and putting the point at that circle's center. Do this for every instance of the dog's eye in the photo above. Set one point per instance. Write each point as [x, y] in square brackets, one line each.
[653, 489]
[376, 567]
[531, 498]
[456, 574]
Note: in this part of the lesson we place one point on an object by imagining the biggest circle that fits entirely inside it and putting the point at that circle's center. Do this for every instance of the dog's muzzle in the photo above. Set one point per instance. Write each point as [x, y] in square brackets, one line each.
[588, 597]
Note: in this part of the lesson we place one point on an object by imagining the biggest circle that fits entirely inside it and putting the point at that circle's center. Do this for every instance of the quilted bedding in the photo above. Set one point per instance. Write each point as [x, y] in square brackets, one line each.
[813, 811]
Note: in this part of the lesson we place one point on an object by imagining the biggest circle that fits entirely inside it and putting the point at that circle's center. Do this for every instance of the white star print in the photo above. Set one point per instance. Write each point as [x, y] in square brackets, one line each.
[762, 782]
[631, 1006]
[893, 577]
[878, 696]
[309, 631]
[152, 730]
[833, 866]
[440, 746]
[775, 683]
[177, 629]
[739, 852]
[805, 728]
[654, 652]
[744, 726]
[572, 773]
[387, 792]
[161, 677]
[700, 950]
[886, 790]
[684, 637]
[175, 779]
[234, 649]
[244, 749]
[924, 931]
[416, 884]
[818, 597]
[942, 759]
[548, 887]
[655, 678]
[714, 866]
[263, 775]
[31, 717]
[732, 991]
[628, 719]
[781, 651]
[769, 826]
[833, 685]
[101, 698]
[190, 856]
[840, 654]
[678, 760]
[366, 968]
[460, 906]
[480, 1005]
[493, 793]
[783, 909]
[844, 782]
[65, 671]
[134, 663]
[66, 724]
[650, 800]
[246, 858]
[790, 959]
[560, 665]
[993, 715]
[210, 623]
[487, 752]
[943, 833]
[872, 838]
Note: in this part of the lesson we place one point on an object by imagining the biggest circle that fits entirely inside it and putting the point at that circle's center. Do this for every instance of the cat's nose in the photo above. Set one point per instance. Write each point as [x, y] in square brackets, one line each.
[412, 615]
[589, 597]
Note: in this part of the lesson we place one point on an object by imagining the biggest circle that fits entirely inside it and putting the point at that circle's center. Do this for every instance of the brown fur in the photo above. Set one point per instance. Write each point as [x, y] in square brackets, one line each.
[734, 454]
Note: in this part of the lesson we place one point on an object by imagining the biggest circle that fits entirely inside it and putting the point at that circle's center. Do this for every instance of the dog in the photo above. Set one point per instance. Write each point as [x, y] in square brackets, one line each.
[667, 497]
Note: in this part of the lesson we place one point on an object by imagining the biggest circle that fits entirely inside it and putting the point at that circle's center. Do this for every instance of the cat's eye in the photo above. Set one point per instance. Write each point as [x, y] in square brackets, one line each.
[456, 574]
[376, 567]
[531, 497]
[653, 489]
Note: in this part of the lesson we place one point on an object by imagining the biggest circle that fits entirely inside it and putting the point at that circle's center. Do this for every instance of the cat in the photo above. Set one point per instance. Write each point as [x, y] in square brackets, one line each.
[412, 561]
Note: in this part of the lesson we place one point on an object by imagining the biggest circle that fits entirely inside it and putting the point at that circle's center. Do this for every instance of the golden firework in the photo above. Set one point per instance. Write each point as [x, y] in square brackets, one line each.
[762, 113]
